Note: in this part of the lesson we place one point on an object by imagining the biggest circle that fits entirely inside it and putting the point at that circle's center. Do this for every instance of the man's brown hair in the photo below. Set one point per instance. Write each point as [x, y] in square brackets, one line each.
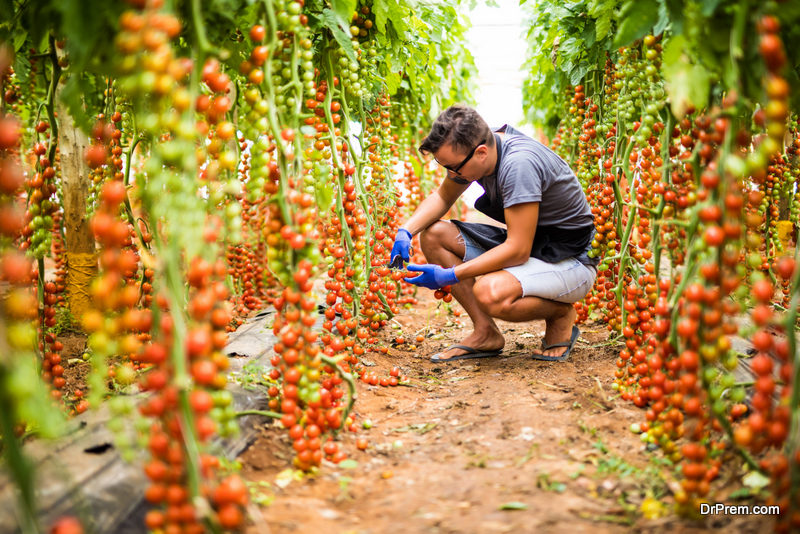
[461, 127]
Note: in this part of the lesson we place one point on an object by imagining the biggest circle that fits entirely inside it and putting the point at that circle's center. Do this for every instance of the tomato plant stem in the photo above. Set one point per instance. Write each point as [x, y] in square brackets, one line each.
[351, 384]
[175, 295]
[19, 467]
[265, 413]
[793, 444]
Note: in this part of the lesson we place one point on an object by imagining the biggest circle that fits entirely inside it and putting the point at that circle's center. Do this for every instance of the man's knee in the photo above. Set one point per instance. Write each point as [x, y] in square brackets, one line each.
[493, 294]
[433, 237]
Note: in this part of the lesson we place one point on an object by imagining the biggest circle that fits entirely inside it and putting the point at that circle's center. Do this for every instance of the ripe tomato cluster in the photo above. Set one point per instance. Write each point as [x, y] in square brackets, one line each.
[19, 307]
[221, 181]
[682, 207]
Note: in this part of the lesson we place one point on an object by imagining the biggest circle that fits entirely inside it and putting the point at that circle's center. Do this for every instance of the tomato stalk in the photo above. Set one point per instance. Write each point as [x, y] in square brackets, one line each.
[51, 99]
[200, 30]
[688, 274]
[51, 152]
[126, 200]
[175, 295]
[351, 385]
[337, 164]
[264, 413]
[623, 250]
[733, 79]
[789, 325]
[272, 118]
[657, 247]
[19, 466]
[359, 161]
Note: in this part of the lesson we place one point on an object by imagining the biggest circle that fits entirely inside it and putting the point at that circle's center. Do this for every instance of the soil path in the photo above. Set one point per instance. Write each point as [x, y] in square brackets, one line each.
[507, 444]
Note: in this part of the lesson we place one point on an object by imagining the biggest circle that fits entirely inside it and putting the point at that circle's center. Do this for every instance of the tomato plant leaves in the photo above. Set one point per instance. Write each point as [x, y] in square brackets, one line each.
[636, 19]
[708, 7]
[686, 83]
[578, 72]
[602, 25]
[6, 9]
[663, 19]
[390, 11]
[344, 8]
[335, 24]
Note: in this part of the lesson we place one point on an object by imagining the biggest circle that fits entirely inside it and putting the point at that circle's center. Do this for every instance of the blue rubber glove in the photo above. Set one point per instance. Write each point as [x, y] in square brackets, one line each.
[433, 276]
[400, 249]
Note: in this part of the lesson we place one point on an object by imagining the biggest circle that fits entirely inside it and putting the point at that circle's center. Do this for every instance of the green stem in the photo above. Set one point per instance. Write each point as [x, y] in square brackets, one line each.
[51, 101]
[182, 380]
[19, 467]
[793, 445]
[351, 385]
[200, 30]
[264, 413]
[737, 35]
[272, 118]
[40, 285]
[126, 200]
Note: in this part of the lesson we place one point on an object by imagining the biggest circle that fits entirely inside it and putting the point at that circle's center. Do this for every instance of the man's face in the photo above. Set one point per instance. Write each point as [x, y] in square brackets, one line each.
[464, 165]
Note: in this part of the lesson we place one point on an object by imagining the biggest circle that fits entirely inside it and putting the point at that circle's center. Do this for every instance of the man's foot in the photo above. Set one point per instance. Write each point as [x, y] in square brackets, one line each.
[484, 342]
[569, 345]
[559, 330]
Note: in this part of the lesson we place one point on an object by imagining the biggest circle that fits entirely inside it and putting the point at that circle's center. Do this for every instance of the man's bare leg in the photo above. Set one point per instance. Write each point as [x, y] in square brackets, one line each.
[499, 294]
[442, 244]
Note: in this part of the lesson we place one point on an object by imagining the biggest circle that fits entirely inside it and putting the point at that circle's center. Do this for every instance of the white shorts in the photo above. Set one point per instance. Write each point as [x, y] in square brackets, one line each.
[567, 281]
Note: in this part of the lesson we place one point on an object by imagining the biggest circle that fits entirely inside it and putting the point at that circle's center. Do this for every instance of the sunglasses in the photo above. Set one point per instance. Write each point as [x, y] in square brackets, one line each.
[463, 162]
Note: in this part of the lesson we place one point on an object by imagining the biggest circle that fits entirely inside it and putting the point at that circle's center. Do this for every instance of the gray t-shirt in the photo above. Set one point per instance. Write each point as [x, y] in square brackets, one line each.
[531, 172]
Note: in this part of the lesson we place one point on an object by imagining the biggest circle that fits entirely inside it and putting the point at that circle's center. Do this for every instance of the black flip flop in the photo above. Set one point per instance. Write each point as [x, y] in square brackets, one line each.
[471, 353]
[569, 344]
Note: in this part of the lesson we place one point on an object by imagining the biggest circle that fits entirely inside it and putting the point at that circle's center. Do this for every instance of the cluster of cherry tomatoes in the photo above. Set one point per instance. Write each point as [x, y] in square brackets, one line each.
[680, 213]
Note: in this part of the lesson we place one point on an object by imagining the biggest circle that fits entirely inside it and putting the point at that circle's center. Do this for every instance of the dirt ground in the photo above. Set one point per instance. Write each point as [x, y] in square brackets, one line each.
[507, 444]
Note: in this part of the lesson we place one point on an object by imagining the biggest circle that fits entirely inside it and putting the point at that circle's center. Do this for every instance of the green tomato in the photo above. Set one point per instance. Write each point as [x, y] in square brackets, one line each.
[710, 374]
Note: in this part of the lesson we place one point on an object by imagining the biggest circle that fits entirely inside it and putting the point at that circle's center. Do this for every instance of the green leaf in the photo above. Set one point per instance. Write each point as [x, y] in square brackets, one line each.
[19, 39]
[380, 9]
[335, 25]
[602, 26]
[673, 50]
[578, 72]
[687, 85]
[348, 464]
[22, 68]
[6, 9]
[663, 19]
[415, 163]
[588, 36]
[635, 20]
[392, 80]
[344, 9]
[391, 11]
[674, 13]
[709, 6]
[514, 505]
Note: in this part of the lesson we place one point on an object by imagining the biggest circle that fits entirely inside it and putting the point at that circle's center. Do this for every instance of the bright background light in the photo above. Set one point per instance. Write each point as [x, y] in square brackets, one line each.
[498, 45]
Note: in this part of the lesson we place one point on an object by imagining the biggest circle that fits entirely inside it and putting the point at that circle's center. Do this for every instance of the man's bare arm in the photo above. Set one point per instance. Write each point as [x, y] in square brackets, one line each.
[521, 222]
